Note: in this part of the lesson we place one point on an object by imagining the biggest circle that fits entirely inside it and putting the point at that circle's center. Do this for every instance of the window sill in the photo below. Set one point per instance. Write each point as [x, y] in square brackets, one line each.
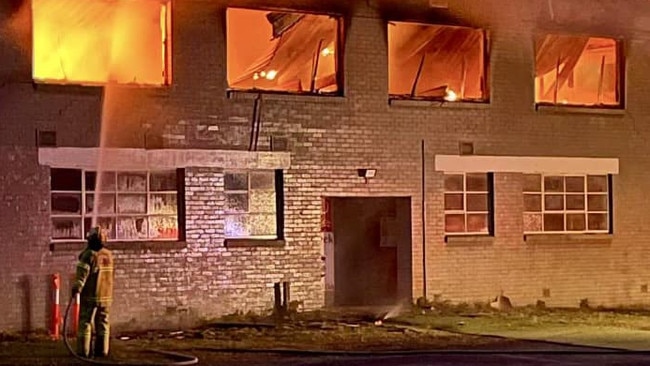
[565, 109]
[153, 246]
[254, 243]
[423, 103]
[568, 238]
[67, 88]
[285, 96]
[461, 240]
[152, 90]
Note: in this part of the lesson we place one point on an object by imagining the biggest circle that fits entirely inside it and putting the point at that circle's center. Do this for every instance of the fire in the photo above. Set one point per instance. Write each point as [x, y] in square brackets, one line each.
[101, 41]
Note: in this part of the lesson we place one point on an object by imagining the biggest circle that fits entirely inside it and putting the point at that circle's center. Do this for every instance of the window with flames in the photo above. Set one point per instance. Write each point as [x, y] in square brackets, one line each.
[283, 51]
[578, 71]
[437, 62]
[94, 42]
[129, 206]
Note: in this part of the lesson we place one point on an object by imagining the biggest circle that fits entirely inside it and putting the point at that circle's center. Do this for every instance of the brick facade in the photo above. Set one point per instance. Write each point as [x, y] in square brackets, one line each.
[329, 139]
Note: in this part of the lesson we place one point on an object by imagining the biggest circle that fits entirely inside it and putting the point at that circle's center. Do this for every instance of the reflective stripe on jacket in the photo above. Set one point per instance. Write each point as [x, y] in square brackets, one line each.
[95, 276]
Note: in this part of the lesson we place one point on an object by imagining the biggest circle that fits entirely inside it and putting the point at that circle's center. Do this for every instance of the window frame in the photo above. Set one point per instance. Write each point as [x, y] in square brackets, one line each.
[485, 81]
[585, 194]
[85, 193]
[490, 205]
[621, 69]
[338, 53]
[166, 64]
[278, 188]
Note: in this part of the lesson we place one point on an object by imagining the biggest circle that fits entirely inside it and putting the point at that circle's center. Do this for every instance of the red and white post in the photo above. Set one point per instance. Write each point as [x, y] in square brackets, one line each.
[56, 307]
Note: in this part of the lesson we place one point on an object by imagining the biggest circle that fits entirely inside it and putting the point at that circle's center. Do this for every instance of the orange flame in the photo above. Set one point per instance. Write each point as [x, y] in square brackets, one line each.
[101, 41]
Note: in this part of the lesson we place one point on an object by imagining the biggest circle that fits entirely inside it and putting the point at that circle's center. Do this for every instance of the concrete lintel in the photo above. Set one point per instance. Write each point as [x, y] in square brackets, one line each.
[526, 164]
[140, 159]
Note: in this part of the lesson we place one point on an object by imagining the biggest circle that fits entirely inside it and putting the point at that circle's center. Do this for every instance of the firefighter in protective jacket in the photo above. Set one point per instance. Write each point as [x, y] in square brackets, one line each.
[94, 282]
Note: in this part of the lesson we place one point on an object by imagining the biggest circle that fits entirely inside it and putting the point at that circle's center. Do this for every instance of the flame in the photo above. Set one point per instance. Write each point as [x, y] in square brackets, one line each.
[98, 41]
[451, 96]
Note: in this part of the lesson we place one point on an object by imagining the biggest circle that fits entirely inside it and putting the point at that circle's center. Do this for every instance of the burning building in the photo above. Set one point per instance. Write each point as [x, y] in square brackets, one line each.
[366, 153]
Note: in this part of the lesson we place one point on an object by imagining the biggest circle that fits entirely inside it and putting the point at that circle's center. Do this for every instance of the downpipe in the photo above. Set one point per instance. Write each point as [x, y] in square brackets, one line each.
[183, 358]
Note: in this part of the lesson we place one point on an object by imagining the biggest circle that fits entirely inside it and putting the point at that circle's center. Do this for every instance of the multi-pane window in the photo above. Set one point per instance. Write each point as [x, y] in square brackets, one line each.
[283, 51]
[94, 41]
[467, 203]
[575, 70]
[438, 62]
[250, 209]
[129, 206]
[554, 203]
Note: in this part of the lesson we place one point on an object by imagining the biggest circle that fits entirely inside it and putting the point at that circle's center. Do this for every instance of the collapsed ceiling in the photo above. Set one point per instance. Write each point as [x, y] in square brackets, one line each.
[299, 53]
[576, 70]
[433, 61]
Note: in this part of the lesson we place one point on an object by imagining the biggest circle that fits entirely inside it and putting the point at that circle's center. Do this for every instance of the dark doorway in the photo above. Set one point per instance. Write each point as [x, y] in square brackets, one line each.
[372, 250]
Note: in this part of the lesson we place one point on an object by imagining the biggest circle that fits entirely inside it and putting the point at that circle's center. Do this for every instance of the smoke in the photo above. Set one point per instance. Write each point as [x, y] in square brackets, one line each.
[16, 24]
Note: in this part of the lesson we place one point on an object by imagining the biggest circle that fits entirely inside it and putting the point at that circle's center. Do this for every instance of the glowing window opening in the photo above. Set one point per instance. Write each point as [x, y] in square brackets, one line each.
[578, 71]
[437, 62]
[92, 42]
[284, 52]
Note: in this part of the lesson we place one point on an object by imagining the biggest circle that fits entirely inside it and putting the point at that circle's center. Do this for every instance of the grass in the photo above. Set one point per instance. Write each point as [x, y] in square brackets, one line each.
[324, 330]
[482, 319]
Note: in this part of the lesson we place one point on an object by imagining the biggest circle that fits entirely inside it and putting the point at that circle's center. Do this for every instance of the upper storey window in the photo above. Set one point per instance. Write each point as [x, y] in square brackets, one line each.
[283, 51]
[437, 62]
[99, 41]
[578, 71]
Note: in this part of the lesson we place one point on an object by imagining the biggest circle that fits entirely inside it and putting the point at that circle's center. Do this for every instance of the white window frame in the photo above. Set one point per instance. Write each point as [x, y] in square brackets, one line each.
[464, 211]
[115, 215]
[565, 211]
[248, 212]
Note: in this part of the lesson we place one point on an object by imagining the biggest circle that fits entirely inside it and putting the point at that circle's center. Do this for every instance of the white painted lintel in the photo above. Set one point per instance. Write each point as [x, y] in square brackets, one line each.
[526, 164]
[140, 159]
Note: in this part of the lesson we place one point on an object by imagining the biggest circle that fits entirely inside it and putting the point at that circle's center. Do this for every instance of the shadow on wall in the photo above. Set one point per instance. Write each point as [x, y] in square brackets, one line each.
[25, 304]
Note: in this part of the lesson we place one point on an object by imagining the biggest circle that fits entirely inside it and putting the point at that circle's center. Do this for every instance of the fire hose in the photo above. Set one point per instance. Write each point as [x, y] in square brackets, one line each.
[183, 359]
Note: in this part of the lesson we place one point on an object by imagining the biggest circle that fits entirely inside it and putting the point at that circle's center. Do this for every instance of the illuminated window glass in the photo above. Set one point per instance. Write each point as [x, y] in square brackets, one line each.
[437, 62]
[129, 206]
[581, 71]
[467, 203]
[250, 207]
[97, 41]
[282, 51]
[578, 204]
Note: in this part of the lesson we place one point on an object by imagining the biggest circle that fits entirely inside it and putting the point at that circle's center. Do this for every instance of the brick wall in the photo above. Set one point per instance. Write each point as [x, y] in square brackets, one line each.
[329, 139]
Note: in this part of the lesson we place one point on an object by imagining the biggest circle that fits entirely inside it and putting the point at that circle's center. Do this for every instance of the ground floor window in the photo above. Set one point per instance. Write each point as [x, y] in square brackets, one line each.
[571, 203]
[468, 207]
[253, 207]
[129, 206]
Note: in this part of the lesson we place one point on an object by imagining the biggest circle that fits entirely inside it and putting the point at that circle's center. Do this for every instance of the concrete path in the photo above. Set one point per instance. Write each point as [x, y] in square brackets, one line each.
[592, 336]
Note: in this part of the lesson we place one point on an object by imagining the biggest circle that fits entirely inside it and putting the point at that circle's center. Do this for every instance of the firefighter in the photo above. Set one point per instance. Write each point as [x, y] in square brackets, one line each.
[94, 283]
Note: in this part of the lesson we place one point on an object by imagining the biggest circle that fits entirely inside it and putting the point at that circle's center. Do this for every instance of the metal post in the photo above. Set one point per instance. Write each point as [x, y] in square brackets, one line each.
[277, 308]
[286, 296]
